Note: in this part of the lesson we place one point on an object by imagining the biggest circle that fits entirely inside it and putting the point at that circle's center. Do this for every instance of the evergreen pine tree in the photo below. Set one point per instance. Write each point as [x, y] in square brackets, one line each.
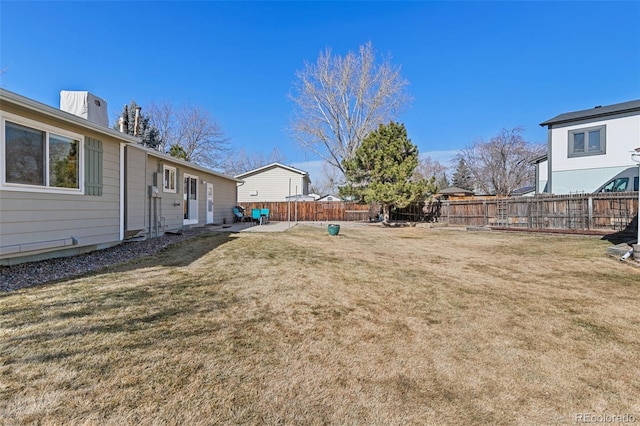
[149, 135]
[462, 177]
[382, 167]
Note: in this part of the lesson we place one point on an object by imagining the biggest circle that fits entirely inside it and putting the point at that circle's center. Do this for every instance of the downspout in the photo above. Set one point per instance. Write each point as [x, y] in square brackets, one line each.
[635, 156]
[549, 162]
[122, 185]
[537, 178]
[122, 124]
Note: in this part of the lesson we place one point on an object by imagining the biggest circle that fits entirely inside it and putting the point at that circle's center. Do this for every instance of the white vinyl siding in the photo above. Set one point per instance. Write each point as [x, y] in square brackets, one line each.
[271, 185]
[586, 173]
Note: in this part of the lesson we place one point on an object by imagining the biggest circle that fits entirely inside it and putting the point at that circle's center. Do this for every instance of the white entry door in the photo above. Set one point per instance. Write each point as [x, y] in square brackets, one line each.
[209, 203]
[190, 200]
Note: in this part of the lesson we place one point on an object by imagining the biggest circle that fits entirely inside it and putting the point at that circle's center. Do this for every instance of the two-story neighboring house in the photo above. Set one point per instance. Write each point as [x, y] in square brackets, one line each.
[588, 148]
[273, 182]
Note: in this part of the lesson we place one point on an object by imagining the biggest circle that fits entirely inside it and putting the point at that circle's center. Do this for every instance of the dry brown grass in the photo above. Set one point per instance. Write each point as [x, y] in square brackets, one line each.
[375, 326]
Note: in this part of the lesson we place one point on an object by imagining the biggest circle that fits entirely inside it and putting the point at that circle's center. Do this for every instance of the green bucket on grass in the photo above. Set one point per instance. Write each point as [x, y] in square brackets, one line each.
[333, 229]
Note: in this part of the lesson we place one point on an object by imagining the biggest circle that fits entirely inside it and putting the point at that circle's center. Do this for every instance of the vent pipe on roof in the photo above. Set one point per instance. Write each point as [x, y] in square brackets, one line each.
[136, 123]
[124, 120]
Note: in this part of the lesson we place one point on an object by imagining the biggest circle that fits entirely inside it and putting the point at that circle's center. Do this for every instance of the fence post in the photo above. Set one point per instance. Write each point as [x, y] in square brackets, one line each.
[485, 213]
[590, 207]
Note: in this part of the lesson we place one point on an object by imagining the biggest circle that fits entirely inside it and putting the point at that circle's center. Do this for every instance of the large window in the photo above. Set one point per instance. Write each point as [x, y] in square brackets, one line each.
[40, 157]
[591, 141]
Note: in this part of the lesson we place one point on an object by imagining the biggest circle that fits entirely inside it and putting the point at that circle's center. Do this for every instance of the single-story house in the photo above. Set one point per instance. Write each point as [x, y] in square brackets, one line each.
[455, 193]
[273, 182]
[167, 194]
[331, 198]
[70, 185]
[587, 148]
[525, 191]
[300, 197]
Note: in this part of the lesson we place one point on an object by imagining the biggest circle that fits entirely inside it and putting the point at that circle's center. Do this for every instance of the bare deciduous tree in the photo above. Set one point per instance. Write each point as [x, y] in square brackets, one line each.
[242, 161]
[503, 164]
[328, 181]
[161, 117]
[340, 100]
[200, 136]
[428, 168]
[193, 130]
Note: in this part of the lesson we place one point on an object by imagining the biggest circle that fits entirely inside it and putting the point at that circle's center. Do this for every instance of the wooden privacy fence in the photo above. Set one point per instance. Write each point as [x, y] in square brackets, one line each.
[314, 211]
[602, 212]
[607, 212]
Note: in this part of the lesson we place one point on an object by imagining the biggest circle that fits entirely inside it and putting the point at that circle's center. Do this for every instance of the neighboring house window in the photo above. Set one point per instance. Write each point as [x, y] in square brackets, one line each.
[591, 141]
[41, 156]
[169, 179]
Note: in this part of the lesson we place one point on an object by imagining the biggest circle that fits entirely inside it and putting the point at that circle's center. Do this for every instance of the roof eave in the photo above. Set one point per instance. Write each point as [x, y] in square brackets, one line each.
[539, 159]
[595, 114]
[7, 96]
[265, 167]
[168, 157]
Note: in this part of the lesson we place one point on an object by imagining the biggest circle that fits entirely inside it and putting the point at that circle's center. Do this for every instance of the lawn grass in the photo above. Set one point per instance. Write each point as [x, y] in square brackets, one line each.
[374, 326]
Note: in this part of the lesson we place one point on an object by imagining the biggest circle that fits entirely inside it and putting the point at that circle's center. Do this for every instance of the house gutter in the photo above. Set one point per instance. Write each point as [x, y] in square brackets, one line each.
[168, 157]
[549, 162]
[635, 156]
[122, 188]
[13, 98]
[595, 113]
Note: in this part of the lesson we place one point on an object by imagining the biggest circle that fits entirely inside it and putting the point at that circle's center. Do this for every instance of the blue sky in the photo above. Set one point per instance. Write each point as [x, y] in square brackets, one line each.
[473, 67]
